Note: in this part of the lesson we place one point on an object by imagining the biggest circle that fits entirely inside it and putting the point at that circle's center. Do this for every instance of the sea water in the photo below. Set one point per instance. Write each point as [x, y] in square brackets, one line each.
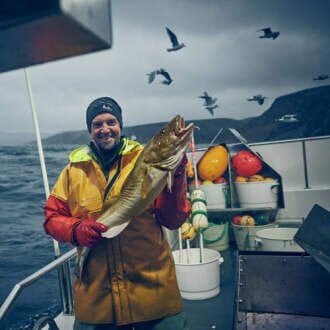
[24, 245]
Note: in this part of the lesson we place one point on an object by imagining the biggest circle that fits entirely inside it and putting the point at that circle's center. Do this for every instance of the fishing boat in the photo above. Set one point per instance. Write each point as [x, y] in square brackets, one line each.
[306, 183]
[288, 118]
[258, 288]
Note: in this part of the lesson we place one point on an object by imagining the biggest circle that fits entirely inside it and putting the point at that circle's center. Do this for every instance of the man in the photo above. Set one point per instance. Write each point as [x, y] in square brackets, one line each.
[128, 281]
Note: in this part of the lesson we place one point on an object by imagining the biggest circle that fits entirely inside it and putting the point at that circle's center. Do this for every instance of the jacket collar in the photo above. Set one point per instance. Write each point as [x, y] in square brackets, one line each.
[85, 153]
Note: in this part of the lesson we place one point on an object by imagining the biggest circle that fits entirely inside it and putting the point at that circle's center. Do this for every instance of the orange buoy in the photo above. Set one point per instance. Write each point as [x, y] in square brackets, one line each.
[213, 163]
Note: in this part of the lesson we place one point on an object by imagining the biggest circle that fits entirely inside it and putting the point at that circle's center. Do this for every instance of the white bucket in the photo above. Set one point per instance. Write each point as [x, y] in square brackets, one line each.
[196, 280]
[245, 235]
[216, 236]
[215, 195]
[257, 194]
[277, 239]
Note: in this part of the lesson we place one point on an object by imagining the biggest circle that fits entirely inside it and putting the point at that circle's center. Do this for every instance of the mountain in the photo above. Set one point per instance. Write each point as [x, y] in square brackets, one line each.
[12, 139]
[310, 106]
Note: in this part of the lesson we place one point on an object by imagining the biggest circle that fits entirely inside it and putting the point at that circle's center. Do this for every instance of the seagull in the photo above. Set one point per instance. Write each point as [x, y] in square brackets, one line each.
[322, 77]
[152, 76]
[174, 40]
[211, 108]
[268, 33]
[208, 100]
[168, 80]
[259, 98]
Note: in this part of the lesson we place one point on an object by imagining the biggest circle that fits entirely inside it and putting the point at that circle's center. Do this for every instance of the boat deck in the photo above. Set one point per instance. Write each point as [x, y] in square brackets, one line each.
[212, 313]
[217, 312]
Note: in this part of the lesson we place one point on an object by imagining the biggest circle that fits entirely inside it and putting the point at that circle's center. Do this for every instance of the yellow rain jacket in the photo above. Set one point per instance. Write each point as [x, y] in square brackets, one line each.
[131, 277]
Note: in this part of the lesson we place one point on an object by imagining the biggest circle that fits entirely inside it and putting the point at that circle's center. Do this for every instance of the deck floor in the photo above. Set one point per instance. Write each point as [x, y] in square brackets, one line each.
[218, 312]
[214, 313]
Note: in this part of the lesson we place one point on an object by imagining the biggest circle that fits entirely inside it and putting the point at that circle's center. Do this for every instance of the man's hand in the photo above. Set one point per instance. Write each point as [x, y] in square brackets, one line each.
[88, 232]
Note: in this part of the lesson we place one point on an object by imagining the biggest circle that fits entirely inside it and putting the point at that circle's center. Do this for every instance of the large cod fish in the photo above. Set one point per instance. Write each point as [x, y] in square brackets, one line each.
[153, 170]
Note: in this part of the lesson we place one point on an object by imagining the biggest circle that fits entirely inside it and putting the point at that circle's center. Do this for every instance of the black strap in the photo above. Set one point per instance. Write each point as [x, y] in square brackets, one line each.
[109, 186]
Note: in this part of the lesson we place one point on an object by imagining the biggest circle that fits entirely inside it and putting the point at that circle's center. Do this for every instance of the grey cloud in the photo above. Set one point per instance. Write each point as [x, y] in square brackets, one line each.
[224, 55]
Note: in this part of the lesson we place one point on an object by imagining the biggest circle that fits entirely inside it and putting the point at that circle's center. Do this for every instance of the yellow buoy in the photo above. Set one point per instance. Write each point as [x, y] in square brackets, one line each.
[187, 231]
[213, 164]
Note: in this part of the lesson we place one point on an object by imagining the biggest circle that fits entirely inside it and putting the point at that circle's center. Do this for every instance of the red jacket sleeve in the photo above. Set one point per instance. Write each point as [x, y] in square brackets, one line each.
[172, 208]
[58, 220]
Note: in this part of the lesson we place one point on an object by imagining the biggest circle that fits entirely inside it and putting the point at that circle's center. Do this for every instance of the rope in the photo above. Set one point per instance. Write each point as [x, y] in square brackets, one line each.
[43, 321]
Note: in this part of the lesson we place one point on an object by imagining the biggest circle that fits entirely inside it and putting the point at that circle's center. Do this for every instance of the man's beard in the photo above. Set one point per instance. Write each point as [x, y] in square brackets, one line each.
[108, 146]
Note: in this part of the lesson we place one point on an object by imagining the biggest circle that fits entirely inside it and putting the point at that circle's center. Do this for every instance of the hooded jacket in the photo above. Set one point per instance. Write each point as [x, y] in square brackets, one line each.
[131, 277]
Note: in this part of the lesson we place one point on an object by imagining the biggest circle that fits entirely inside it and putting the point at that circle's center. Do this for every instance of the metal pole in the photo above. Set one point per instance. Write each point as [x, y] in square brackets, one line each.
[215, 137]
[40, 149]
[305, 165]
[63, 273]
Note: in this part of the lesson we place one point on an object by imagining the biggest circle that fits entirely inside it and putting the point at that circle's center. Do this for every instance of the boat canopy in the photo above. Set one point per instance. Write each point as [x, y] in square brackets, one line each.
[38, 31]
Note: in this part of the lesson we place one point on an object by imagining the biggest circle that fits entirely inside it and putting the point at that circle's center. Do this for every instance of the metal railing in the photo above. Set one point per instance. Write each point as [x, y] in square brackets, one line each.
[63, 268]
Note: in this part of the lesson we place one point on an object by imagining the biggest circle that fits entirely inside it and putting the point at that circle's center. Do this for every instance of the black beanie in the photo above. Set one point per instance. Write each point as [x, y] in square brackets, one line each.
[103, 105]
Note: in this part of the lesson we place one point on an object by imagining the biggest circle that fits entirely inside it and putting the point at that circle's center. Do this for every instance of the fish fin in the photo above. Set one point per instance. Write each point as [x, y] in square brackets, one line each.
[146, 184]
[81, 262]
[169, 181]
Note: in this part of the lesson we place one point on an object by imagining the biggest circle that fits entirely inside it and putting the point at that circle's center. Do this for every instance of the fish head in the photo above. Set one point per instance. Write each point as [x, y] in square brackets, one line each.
[167, 147]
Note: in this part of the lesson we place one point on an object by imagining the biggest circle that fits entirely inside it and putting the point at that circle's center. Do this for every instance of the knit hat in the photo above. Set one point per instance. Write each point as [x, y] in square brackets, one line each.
[103, 105]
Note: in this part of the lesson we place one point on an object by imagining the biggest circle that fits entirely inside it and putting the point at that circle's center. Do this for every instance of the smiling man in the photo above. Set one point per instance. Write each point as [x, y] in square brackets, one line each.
[129, 281]
[104, 122]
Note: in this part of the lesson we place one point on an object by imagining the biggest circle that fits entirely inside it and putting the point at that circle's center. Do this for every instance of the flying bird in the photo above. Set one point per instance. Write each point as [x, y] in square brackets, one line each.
[268, 33]
[168, 80]
[174, 40]
[211, 108]
[322, 77]
[258, 98]
[152, 76]
[208, 100]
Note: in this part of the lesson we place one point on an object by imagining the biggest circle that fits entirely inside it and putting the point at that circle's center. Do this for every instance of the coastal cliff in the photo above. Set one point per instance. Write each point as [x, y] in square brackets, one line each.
[311, 108]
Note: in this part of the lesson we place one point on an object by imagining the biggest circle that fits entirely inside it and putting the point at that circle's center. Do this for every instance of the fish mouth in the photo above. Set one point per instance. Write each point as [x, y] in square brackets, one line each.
[181, 128]
[183, 133]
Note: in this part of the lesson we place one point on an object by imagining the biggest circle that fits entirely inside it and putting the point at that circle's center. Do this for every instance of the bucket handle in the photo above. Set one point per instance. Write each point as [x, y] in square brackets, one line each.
[225, 190]
[258, 241]
[274, 188]
[210, 241]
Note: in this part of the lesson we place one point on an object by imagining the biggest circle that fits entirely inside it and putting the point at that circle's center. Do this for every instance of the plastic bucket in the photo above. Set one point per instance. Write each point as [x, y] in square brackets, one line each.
[245, 235]
[257, 194]
[196, 280]
[277, 239]
[215, 195]
[216, 236]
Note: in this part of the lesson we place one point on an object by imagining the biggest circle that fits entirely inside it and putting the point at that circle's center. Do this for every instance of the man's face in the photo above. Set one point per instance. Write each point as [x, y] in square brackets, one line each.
[105, 131]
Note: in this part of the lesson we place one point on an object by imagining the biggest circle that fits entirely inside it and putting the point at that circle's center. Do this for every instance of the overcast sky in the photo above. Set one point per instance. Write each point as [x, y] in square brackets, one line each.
[223, 56]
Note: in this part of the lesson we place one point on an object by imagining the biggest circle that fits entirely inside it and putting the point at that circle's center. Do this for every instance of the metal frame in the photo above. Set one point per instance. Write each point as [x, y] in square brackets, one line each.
[62, 265]
[280, 287]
